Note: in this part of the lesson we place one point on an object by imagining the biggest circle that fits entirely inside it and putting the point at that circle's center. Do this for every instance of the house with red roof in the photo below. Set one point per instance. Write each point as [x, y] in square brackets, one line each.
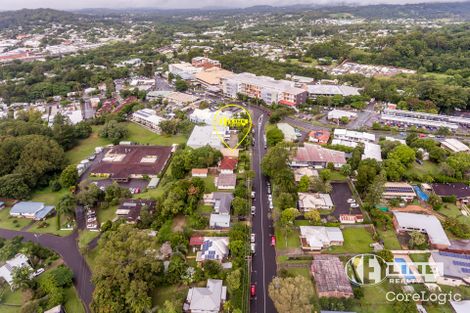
[228, 165]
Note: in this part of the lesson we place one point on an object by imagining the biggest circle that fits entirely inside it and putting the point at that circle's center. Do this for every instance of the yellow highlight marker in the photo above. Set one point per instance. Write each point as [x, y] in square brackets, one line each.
[223, 121]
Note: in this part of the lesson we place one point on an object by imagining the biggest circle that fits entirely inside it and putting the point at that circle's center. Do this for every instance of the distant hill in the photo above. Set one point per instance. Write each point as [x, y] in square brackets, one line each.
[29, 18]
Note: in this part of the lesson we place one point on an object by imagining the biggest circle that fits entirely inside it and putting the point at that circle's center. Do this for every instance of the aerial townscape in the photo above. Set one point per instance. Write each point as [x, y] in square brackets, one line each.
[301, 158]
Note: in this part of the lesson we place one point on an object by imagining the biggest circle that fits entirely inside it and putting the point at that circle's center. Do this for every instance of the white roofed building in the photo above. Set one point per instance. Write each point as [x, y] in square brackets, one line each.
[19, 261]
[314, 201]
[336, 115]
[315, 238]
[148, 118]
[207, 299]
[454, 145]
[332, 90]
[288, 131]
[429, 224]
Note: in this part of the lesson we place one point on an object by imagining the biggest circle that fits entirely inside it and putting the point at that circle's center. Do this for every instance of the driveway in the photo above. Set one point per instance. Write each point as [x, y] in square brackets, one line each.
[67, 248]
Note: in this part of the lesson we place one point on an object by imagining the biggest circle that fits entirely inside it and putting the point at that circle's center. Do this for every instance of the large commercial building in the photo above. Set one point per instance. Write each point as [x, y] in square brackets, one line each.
[454, 145]
[422, 119]
[204, 62]
[332, 90]
[266, 88]
[184, 70]
[148, 118]
[207, 135]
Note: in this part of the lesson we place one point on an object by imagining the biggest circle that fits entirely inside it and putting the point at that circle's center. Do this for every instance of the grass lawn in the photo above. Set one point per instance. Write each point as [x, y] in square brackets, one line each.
[207, 209]
[356, 240]
[72, 301]
[51, 228]
[390, 239]
[85, 237]
[90, 258]
[428, 168]
[209, 184]
[299, 271]
[142, 135]
[451, 210]
[137, 134]
[10, 297]
[87, 146]
[106, 214]
[335, 175]
[8, 222]
[48, 196]
[291, 241]
[374, 300]
[175, 294]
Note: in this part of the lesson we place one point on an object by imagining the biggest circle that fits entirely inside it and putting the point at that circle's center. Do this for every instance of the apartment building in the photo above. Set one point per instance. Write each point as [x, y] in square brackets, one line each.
[266, 88]
[204, 62]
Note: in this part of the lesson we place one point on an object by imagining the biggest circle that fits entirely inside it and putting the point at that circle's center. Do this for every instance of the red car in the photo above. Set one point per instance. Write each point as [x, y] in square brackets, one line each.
[273, 240]
[253, 290]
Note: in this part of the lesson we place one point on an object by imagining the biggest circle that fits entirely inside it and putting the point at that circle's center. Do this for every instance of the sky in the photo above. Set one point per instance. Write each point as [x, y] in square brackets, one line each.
[170, 4]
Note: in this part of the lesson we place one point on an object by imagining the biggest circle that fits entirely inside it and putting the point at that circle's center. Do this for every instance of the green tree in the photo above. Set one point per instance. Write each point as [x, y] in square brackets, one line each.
[418, 239]
[313, 216]
[435, 201]
[274, 136]
[114, 131]
[240, 206]
[69, 176]
[385, 254]
[304, 184]
[404, 154]
[291, 294]
[124, 253]
[234, 280]
[21, 278]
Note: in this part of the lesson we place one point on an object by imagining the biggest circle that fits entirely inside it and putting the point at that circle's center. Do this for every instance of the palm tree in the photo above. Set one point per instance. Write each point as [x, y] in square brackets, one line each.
[67, 206]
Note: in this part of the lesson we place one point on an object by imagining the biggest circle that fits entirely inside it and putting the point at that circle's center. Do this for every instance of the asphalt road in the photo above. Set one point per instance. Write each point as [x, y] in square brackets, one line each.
[67, 248]
[264, 260]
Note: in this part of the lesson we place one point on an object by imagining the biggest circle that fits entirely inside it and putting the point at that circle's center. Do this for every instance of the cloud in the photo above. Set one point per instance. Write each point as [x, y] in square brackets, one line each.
[179, 4]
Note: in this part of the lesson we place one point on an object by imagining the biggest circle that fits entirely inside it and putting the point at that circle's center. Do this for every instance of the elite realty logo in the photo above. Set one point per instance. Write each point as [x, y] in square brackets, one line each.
[370, 270]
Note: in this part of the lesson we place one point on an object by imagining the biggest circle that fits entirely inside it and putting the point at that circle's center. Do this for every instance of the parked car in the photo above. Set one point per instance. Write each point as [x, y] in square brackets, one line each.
[253, 290]
[38, 272]
[253, 248]
[273, 241]
[253, 194]
[253, 236]
[253, 210]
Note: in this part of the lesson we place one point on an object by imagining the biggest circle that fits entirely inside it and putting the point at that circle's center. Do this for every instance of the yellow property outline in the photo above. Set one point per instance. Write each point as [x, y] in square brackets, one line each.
[215, 124]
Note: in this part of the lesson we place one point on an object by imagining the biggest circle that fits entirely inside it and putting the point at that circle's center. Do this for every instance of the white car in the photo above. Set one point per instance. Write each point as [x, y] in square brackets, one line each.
[354, 205]
[253, 194]
[38, 272]
[270, 197]
[351, 200]
[253, 248]
[252, 238]
[271, 205]
[253, 210]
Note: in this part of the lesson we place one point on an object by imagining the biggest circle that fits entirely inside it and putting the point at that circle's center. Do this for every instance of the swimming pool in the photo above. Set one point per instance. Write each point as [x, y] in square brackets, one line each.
[404, 269]
[421, 194]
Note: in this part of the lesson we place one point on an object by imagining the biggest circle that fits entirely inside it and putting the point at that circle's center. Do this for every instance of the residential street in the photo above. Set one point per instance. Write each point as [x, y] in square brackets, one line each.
[67, 248]
[264, 261]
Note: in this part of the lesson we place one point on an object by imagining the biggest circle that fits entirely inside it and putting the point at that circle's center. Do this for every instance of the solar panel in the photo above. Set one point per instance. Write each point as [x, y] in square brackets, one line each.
[460, 263]
[455, 255]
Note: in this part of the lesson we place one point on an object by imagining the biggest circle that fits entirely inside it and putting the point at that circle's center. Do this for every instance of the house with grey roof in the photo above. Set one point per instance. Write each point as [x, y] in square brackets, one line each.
[428, 224]
[32, 210]
[207, 299]
[453, 268]
[6, 271]
[226, 181]
[222, 202]
[214, 249]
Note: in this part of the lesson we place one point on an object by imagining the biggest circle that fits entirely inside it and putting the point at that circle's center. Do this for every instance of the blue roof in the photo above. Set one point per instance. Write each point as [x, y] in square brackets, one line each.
[29, 207]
